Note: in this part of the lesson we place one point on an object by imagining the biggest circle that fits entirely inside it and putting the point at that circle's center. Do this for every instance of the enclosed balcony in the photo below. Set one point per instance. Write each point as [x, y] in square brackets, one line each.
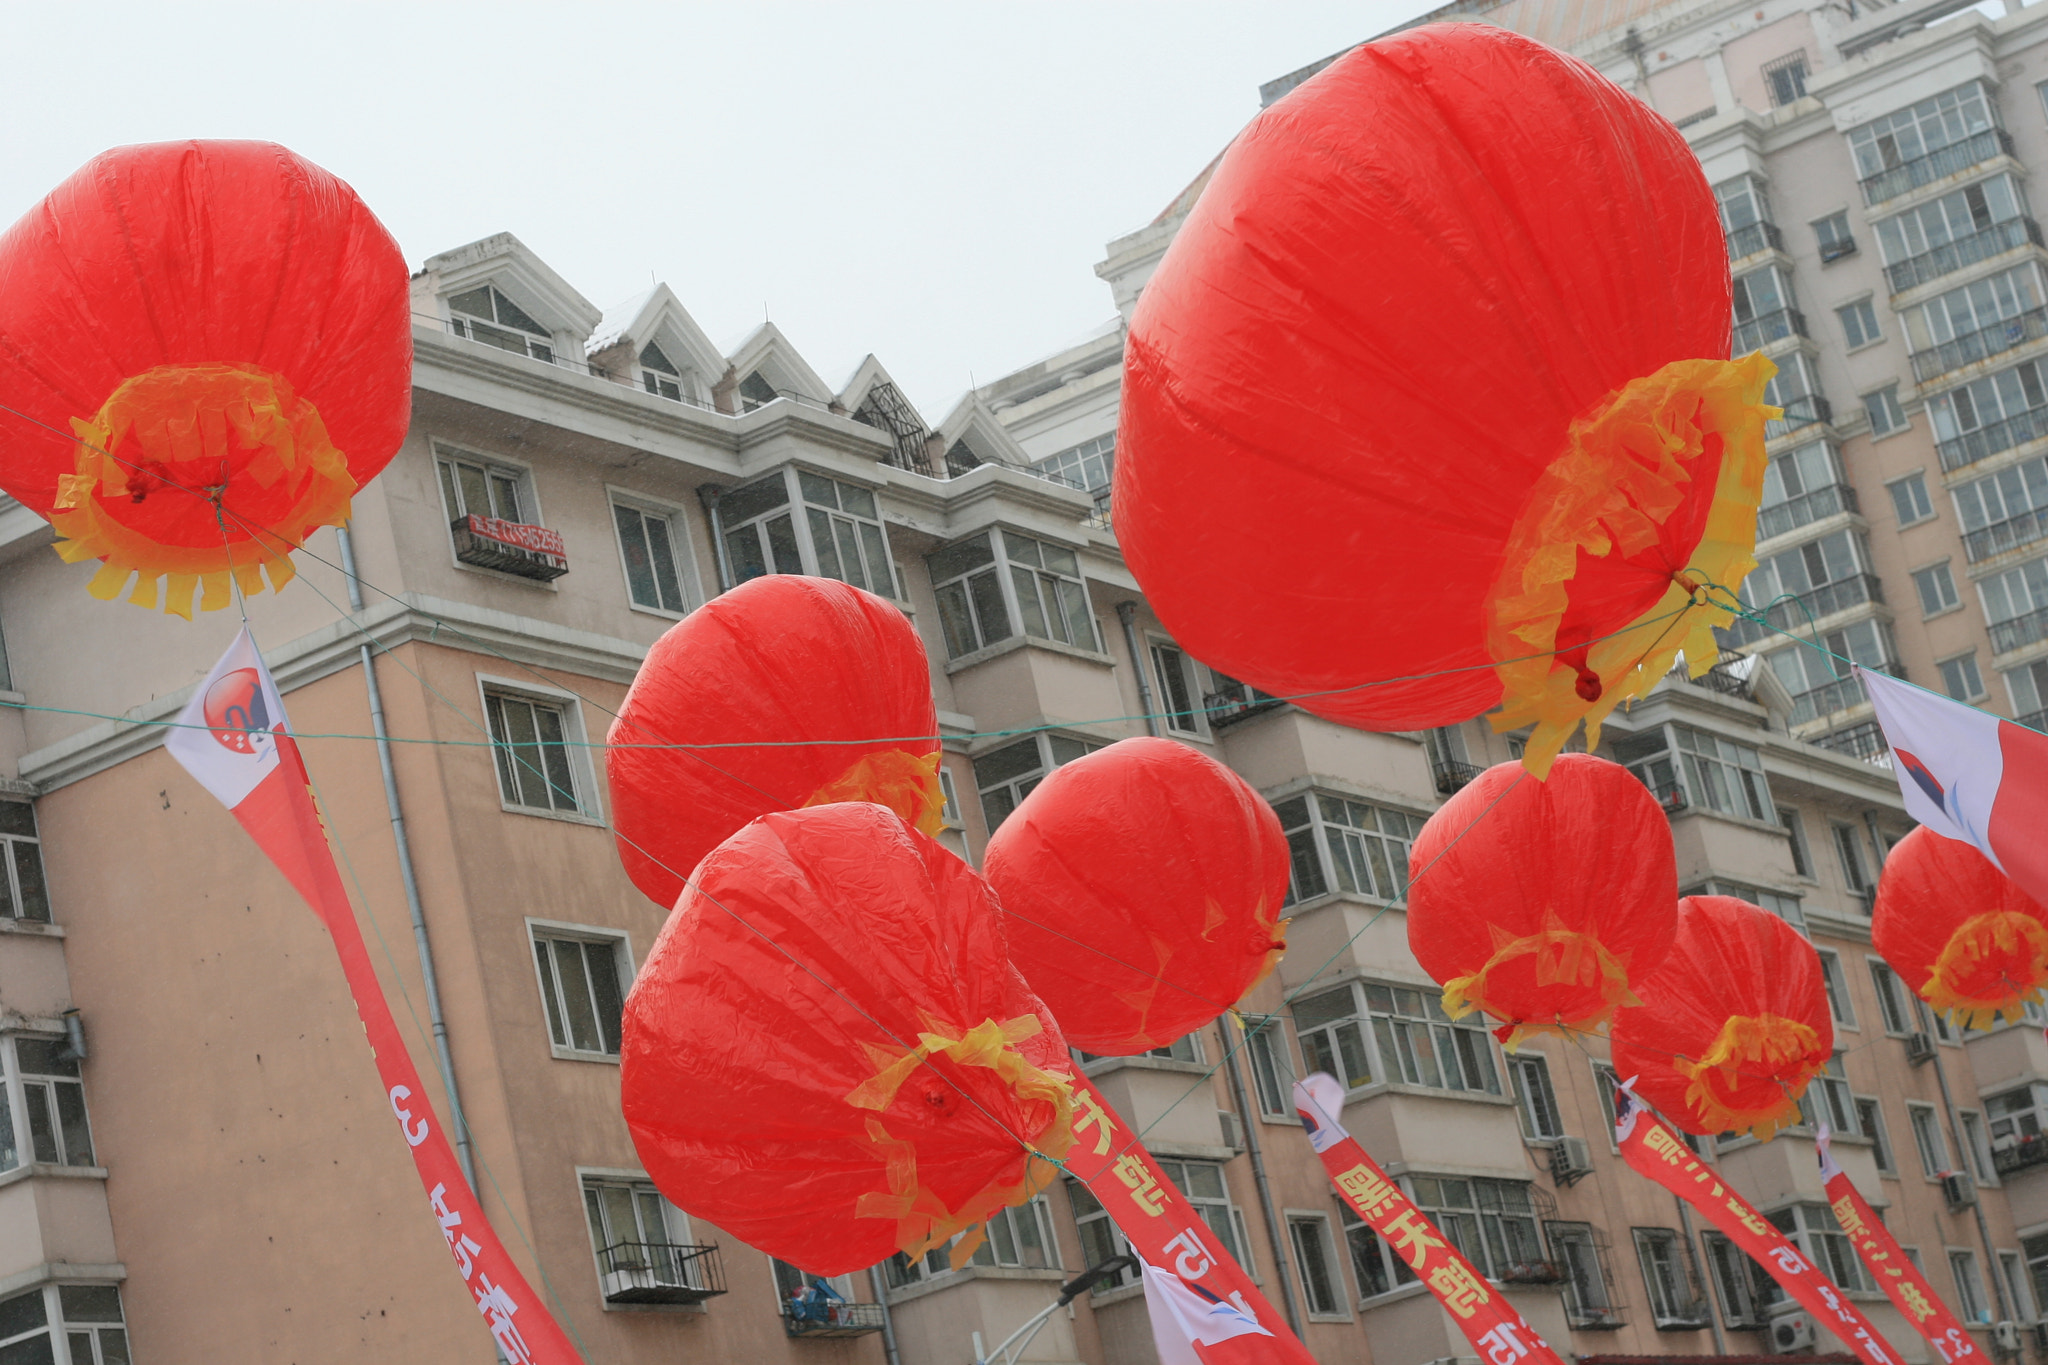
[1233, 701]
[2024, 1154]
[1986, 441]
[1826, 501]
[659, 1272]
[1975, 150]
[2019, 631]
[1751, 238]
[1864, 740]
[1982, 344]
[1454, 777]
[1761, 331]
[1803, 411]
[2010, 534]
[1795, 613]
[828, 1320]
[1995, 240]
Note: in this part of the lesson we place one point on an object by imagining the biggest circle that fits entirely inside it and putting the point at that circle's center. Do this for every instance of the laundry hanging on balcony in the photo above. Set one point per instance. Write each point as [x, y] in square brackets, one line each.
[1141, 889]
[1960, 933]
[785, 692]
[828, 1054]
[1545, 901]
[1409, 431]
[1733, 1024]
[207, 347]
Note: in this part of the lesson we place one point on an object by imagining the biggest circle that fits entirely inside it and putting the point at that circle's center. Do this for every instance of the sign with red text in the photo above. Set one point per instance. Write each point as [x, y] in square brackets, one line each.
[1894, 1272]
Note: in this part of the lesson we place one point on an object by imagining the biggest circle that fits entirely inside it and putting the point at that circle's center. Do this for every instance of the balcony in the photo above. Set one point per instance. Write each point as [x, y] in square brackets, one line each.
[509, 547]
[2019, 631]
[1531, 1272]
[1671, 798]
[1719, 679]
[1824, 600]
[1984, 442]
[1971, 347]
[1863, 740]
[2010, 534]
[1974, 150]
[1949, 256]
[1804, 510]
[1766, 328]
[2029, 1151]
[1751, 238]
[2033, 720]
[1822, 702]
[1452, 777]
[659, 1272]
[1830, 252]
[826, 1320]
[1235, 703]
[1802, 411]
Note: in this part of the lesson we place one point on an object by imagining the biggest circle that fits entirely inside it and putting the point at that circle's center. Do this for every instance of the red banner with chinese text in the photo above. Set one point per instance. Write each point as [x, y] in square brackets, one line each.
[1654, 1150]
[1165, 1231]
[1893, 1270]
[1499, 1333]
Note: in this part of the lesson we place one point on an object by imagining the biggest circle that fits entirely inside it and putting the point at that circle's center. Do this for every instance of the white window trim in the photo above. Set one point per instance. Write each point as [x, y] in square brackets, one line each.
[589, 788]
[1983, 689]
[1933, 514]
[687, 577]
[1191, 675]
[1332, 1258]
[529, 490]
[622, 942]
[688, 1233]
[1835, 974]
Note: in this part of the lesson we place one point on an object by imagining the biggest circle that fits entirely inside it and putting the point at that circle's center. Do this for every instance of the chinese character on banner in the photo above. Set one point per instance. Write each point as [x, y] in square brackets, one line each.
[1900, 1279]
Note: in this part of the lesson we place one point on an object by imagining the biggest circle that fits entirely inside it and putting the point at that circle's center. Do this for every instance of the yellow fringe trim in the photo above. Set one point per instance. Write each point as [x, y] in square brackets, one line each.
[1621, 475]
[1751, 1042]
[922, 1218]
[2017, 942]
[250, 424]
[906, 783]
[1564, 957]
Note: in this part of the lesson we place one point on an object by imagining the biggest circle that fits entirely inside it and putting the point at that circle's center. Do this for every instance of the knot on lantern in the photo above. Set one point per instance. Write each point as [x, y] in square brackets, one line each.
[923, 1219]
[906, 783]
[1624, 471]
[1752, 1076]
[1563, 957]
[1991, 967]
[152, 469]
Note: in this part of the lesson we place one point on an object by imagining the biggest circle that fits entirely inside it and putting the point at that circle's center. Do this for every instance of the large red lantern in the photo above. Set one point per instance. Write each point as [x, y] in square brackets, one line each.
[1959, 932]
[209, 346]
[1141, 888]
[828, 1054]
[1428, 406]
[1544, 901]
[783, 693]
[1733, 1025]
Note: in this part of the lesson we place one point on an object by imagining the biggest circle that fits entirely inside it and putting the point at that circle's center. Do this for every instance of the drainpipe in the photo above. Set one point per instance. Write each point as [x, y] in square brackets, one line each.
[1127, 613]
[406, 875]
[709, 494]
[1705, 1273]
[881, 1293]
[1966, 1166]
[1249, 1123]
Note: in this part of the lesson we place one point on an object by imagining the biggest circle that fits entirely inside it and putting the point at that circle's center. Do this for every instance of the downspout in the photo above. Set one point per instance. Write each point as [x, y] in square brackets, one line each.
[709, 494]
[1966, 1167]
[1705, 1272]
[406, 875]
[1127, 614]
[881, 1293]
[1248, 1121]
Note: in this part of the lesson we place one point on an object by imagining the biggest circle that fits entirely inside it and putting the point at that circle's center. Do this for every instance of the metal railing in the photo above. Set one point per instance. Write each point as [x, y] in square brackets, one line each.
[1766, 328]
[2009, 534]
[2019, 631]
[2031, 1150]
[1672, 798]
[1985, 442]
[1831, 252]
[659, 1272]
[1974, 150]
[1531, 1272]
[1451, 777]
[1824, 600]
[1235, 703]
[1751, 238]
[1802, 411]
[1971, 347]
[474, 546]
[1865, 739]
[1820, 702]
[1949, 256]
[1793, 513]
[1718, 679]
[826, 1320]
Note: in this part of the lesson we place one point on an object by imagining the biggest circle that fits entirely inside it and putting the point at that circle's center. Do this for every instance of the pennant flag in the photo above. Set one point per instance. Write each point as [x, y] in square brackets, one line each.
[233, 737]
[1185, 1319]
[1654, 1150]
[1499, 1333]
[1968, 775]
[1893, 1270]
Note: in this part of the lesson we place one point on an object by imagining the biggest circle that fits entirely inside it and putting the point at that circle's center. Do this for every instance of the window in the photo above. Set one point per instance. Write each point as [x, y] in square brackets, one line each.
[483, 314]
[1761, 297]
[1606, 1083]
[1795, 835]
[2005, 510]
[1577, 1250]
[760, 533]
[1836, 240]
[1955, 216]
[1310, 1235]
[530, 737]
[53, 1098]
[1827, 1098]
[1785, 78]
[1179, 694]
[1909, 497]
[1801, 486]
[1795, 389]
[22, 893]
[846, 533]
[1837, 987]
[1820, 683]
[1859, 324]
[756, 391]
[1265, 1038]
[1979, 1149]
[1960, 679]
[1987, 402]
[1744, 1288]
[1344, 845]
[1199, 1182]
[647, 542]
[1709, 771]
[2035, 1249]
[1493, 1222]
[1881, 406]
[1786, 907]
[580, 983]
[1969, 1287]
[1743, 204]
[1968, 316]
[2015, 595]
[2029, 689]
[1891, 999]
[1087, 466]
[1674, 1299]
[2015, 1115]
[642, 1241]
[659, 375]
[88, 1317]
[1937, 589]
[1186, 1048]
[1927, 1138]
[1806, 570]
[1365, 1031]
[1538, 1102]
[1379, 1270]
[1020, 1237]
[2014, 1270]
[1099, 1237]
[1936, 122]
[839, 534]
[1870, 1114]
[1849, 851]
[474, 487]
[1820, 1237]
[1007, 775]
[1042, 592]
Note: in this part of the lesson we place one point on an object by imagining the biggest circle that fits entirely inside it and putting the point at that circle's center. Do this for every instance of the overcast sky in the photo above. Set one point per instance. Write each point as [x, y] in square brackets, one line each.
[930, 182]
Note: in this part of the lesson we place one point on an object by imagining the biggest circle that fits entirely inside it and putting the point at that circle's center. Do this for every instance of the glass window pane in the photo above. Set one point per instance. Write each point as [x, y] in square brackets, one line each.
[620, 1224]
[550, 993]
[990, 613]
[956, 560]
[849, 553]
[7, 905]
[582, 1012]
[956, 620]
[859, 501]
[42, 1130]
[743, 549]
[555, 756]
[505, 498]
[639, 563]
[1073, 609]
[18, 818]
[1026, 583]
[10, 1155]
[71, 1118]
[666, 576]
[89, 1303]
[603, 962]
[782, 546]
[476, 492]
[881, 576]
[817, 488]
[744, 504]
[821, 541]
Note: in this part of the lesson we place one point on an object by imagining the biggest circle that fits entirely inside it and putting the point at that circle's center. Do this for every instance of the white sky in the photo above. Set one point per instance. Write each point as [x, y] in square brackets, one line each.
[930, 182]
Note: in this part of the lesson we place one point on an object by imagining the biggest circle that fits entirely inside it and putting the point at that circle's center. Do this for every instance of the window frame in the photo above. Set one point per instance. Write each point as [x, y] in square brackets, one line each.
[1972, 1302]
[1528, 1098]
[1864, 312]
[15, 1109]
[1976, 1137]
[1821, 1240]
[1870, 1114]
[1892, 1004]
[1887, 401]
[588, 791]
[1966, 667]
[1698, 773]
[1191, 723]
[59, 1328]
[1939, 576]
[11, 871]
[1587, 1238]
[1316, 1226]
[1379, 1031]
[1681, 1317]
[1915, 485]
[1795, 837]
[1835, 982]
[1007, 567]
[463, 324]
[678, 1229]
[798, 508]
[1928, 1140]
[1314, 836]
[1755, 1288]
[1272, 1064]
[563, 931]
[1016, 786]
[689, 591]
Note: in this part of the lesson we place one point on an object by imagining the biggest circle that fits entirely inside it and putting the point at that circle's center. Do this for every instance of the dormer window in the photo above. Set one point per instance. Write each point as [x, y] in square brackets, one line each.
[483, 314]
[658, 375]
[756, 392]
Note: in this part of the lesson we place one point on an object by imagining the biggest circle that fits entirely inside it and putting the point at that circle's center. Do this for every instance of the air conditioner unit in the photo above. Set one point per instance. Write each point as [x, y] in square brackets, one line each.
[1919, 1048]
[1233, 1130]
[1792, 1332]
[1570, 1160]
[1959, 1190]
[2005, 1338]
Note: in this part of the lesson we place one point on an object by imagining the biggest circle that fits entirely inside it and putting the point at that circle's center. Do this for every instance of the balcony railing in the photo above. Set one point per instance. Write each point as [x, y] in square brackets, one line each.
[2010, 534]
[831, 1319]
[1821, 702]
[1825, 600]
[1452, 777]
[659, 1272]
[1971, 347]
[2033, 720]
[1596, 1319]
[1985, 442]
[1973, 150]
[1804, 510]
[2031, 1150]
[2019, 631]
[1837, 249]
[1865, 739]
[1671, 798]
[1751, 238]
[1719, 679]
[1531, 1272]
[509, 547]
[1235, 703]
[1802, 411]
[1978, 246]
[1766, 328]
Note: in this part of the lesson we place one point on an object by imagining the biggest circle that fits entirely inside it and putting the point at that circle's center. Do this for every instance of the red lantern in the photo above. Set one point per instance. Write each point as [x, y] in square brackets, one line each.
[1958, 931]
[1735, 1022]
[785, 692]
[1428, 406]
[828, 1054]
[211, 344]
[1543, 901]
[1141, 889]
